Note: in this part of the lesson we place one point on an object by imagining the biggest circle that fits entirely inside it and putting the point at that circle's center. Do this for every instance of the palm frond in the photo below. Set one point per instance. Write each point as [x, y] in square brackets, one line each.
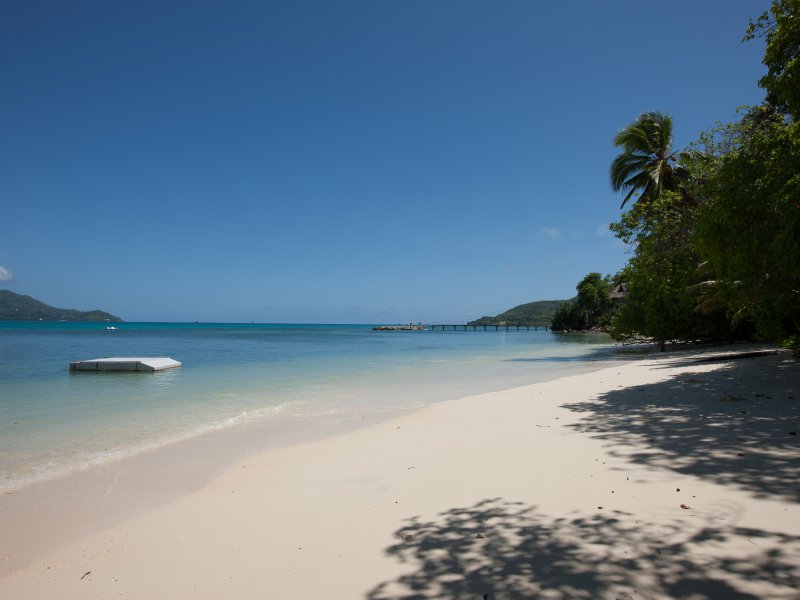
[624, 166]
[645, 163]
[703, 285]
[628, 197]
[633, 139]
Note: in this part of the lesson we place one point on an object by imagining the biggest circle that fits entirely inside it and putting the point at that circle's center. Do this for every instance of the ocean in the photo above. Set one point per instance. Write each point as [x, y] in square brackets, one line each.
[53, 421]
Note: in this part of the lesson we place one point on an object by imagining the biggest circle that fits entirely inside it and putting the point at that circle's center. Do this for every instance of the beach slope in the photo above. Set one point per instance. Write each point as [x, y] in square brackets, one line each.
[669, 476]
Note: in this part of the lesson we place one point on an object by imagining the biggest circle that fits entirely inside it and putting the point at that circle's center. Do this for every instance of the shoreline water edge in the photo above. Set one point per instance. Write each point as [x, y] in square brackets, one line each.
[53, 423]
[688, 456]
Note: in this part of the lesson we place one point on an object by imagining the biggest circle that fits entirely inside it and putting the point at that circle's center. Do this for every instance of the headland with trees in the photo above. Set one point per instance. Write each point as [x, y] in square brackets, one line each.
[714, 229]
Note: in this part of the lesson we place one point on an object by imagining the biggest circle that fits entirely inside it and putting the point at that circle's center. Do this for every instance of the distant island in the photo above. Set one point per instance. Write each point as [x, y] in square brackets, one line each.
[16, 307]
[534, 314]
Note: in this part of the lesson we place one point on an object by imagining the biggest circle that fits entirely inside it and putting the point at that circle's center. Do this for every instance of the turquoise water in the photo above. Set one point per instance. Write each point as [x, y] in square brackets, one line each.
[53, 421]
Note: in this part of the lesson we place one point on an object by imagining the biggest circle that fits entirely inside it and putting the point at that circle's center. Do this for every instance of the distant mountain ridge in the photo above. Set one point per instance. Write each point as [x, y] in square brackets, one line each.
[16, 307]
[539, 313]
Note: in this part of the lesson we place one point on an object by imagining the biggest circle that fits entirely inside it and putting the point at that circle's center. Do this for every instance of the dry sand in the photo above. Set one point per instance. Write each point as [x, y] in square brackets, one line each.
[665, 477]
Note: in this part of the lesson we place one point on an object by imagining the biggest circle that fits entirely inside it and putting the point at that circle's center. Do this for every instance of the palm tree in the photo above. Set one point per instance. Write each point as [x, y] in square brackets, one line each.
[647, 164]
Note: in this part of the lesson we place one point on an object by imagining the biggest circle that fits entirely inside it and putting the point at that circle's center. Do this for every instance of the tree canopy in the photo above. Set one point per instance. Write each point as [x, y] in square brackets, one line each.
[647, 164]
[589, 307]
[749, 226]
[715, 231]
[714, 234]
[780, 26]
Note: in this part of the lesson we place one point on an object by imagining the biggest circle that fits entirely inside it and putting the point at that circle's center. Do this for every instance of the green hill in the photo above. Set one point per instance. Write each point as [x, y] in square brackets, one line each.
[533, 313]
[16, 307]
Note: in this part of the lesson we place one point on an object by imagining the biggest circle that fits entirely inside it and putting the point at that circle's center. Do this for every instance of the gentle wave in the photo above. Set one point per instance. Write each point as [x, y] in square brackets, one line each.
[53, 423]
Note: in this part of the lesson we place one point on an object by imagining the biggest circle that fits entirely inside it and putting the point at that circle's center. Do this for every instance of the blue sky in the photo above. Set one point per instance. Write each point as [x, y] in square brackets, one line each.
[370, 161]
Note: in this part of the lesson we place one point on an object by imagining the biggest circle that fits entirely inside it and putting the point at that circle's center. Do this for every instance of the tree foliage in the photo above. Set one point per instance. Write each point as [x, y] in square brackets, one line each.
[588, 308]
[780, 27]
[647, 164]
[662, 276]
[715, 233]
[717, 253]
[533, 314]
[749, 225]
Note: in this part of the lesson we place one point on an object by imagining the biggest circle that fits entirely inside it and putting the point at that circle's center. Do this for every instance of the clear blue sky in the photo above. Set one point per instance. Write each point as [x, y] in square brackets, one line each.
[348, 161]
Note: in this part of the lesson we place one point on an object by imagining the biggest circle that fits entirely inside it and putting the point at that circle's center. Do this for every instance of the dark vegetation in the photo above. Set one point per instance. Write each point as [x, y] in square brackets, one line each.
[714, 230]
[590, 309]
[16, 307]
[533, 313]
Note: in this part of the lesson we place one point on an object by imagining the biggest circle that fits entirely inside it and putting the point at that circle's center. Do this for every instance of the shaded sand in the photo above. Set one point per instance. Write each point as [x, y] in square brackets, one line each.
[667, 477]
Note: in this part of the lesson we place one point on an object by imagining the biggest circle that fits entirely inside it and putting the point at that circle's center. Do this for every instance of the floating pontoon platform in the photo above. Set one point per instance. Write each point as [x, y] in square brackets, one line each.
[128, 363]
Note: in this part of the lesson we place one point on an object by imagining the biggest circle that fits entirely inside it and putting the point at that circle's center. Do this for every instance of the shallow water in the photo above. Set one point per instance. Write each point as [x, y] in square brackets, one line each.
[53, 421]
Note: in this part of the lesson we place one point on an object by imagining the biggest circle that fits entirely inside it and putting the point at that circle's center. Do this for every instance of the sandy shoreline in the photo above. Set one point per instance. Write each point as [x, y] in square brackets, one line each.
[571, 488]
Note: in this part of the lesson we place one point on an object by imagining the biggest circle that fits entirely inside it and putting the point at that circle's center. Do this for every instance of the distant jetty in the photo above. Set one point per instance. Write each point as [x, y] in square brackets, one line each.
[487, 326]
[409, 327]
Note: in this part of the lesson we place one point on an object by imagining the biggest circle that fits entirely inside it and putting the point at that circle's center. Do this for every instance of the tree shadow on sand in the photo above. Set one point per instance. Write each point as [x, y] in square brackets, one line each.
[736, 425]
[731, 425]
[503, 550]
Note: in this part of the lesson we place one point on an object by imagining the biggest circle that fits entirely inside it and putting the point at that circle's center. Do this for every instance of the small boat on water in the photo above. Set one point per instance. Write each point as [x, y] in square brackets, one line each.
[112, 328]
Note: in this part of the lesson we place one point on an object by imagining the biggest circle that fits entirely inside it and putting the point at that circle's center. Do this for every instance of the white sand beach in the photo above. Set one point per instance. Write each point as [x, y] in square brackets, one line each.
[669, 476]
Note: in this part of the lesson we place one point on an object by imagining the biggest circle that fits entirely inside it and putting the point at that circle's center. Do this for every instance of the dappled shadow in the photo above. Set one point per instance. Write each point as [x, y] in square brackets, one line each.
[603, 353]
[693, 357]
[504, 550]
[735, 425]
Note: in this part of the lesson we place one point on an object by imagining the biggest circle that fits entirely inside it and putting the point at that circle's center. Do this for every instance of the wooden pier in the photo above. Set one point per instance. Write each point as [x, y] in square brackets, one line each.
[497, 327]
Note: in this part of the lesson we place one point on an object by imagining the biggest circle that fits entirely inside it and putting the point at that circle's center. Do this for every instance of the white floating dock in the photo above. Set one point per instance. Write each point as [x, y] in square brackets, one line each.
[127, 363]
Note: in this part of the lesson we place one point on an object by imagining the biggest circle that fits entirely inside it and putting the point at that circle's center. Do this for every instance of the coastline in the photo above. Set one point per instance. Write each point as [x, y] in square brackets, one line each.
[565, 488]
[42, 515]
[53, 424]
